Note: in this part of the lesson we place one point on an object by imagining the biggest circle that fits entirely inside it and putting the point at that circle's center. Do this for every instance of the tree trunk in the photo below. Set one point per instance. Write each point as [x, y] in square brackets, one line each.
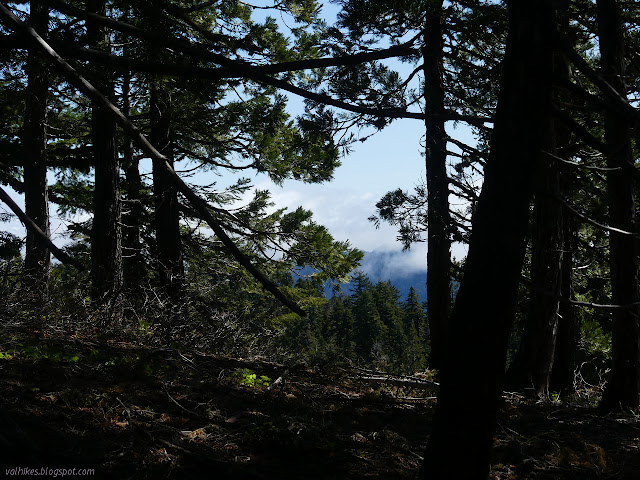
[106, 234]
[167, 213]
[37, 257]
[134, 268]
[531, 368]
[564, 362]
[473, 369]
[623, 389]
[438, 243]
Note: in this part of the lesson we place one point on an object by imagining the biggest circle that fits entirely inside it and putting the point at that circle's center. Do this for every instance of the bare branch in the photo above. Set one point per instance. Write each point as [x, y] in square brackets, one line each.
[526, 281]
[591, 221]
[580, 165]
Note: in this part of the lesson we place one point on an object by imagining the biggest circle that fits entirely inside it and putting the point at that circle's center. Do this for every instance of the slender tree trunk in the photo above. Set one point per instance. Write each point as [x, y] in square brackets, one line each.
[37, 257]
[134, 269]
[564, 362]
[106, 233]
[562, 374]
[473, 369]
[623, 389]
[438, 243]
[167, 213]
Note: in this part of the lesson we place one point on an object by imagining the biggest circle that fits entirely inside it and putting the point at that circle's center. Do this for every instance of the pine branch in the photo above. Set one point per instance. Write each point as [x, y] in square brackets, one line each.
[527, 281]
[41, 237]
[75, 79]
[261, 73]
[581, 132]
[618, 101]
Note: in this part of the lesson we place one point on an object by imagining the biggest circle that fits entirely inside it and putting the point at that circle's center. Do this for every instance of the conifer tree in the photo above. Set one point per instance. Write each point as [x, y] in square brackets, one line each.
[37, 256]
[476, 358]
[106, 231]
[386, 298]
[623, 389]
[415, 329]
[342, 325]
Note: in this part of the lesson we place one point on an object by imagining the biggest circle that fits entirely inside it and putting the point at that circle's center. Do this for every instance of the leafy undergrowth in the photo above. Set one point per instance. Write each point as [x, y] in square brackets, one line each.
[130, 411]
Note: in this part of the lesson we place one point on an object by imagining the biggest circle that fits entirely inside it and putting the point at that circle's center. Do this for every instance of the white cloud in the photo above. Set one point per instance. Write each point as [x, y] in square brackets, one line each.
[344, 212]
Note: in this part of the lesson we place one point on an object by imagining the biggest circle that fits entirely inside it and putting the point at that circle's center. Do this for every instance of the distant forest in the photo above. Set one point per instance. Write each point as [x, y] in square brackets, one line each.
[111, 111]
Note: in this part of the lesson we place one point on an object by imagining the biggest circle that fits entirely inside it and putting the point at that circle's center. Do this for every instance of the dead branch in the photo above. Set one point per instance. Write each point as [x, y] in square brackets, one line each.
[400, 382]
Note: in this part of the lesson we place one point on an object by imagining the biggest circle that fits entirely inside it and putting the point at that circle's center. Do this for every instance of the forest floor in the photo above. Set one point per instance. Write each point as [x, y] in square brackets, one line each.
[128, 411]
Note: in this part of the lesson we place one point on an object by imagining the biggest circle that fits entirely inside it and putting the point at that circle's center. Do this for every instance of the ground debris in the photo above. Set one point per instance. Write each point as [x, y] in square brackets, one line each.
[130, 411]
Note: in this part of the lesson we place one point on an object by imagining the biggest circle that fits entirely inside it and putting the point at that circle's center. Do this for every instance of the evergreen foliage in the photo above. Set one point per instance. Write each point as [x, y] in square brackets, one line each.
[372, 327]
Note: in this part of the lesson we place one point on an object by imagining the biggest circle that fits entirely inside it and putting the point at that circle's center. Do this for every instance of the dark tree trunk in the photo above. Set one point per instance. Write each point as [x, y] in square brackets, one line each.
[623, 389]
[167, 213]
[106, 233]
[564, 362]
[37, 257]
[531, 368]
[438, 243]
[463, 428]
[134, 267]
[562, 374]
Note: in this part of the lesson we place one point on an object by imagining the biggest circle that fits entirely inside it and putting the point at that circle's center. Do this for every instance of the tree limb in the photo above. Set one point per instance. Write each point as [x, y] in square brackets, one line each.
[40, 235]
[527, 281]
[74, 78]
[261, 73]
[593, 222]
[201, 51]
[621, 104]
[581, 132]
[580, 165]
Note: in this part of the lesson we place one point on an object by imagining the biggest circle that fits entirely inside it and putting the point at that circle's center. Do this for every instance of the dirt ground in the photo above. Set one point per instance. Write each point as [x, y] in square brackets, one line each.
[127, 411]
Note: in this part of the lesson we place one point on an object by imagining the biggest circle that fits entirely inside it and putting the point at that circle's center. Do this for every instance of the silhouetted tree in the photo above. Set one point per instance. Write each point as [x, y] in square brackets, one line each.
[459, 446]
[623, 389]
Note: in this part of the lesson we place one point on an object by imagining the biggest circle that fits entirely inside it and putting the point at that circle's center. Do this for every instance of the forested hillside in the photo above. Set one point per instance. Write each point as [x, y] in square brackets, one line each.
[182, 286]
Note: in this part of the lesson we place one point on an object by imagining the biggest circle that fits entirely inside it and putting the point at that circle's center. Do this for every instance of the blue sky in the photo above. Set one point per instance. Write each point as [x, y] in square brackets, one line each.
[389, 160]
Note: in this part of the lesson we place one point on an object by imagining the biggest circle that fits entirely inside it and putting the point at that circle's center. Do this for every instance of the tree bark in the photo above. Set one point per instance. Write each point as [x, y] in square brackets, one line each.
[531, 368]
[106, 233]
[623, 389]
[463, 427]
[167, 213]
[37, 255]
[134, 267]
[564, 362]
[438, 243]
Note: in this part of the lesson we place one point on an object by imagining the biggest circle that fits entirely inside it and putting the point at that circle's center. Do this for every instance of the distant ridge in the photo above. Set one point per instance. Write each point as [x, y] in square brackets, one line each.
[383, 266]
